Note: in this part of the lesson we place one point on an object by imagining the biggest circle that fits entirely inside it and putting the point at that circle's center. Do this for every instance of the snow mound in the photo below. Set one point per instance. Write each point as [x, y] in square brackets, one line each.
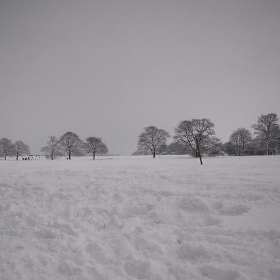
[216, 273]
[234, 210]
[193, 205]
[138, 269]
[97, 253]
[192, 252]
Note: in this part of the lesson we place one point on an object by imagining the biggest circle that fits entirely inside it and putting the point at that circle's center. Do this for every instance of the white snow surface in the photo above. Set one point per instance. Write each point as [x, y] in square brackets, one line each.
[127, 218]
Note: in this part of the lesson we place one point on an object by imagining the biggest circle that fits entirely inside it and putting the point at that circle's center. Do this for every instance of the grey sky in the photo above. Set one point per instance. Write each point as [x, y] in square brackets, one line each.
[111, 68]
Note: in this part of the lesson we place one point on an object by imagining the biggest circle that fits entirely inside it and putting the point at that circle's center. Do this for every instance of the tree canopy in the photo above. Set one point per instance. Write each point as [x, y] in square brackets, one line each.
[21, 149]
[53, 148]
[95, 146]
[70, 144]
[268, 131]
[152, 138]
[7, 148]
[240, 139]
[195, 133]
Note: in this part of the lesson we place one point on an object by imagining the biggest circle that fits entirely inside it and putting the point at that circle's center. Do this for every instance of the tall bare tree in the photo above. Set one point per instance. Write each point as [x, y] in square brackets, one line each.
[240, 138]
[53, 149]
[71, 144]
[95, 146]
[152, 139]
[21, 149]
[6, 148]
[195, 133]
[267, 131]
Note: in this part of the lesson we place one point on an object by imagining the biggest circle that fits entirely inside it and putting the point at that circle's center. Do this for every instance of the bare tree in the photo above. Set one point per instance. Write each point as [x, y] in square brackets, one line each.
[71, 144]
[152, 139]
[53, 149]
[21, 149]
[212, 147]
[6, 148]
[95, 146]
[195, 133]
[267, 131]
[240, 138]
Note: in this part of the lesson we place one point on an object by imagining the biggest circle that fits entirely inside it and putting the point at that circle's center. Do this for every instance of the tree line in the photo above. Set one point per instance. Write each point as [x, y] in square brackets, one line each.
[69, 144]
[8, 149]
[196, 137]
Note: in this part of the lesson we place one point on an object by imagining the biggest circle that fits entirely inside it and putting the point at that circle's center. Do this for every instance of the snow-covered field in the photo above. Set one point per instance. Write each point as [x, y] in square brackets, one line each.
[130, 218]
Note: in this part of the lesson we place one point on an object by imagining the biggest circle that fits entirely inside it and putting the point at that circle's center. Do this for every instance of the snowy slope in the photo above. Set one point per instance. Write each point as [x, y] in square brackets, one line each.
[131, 218]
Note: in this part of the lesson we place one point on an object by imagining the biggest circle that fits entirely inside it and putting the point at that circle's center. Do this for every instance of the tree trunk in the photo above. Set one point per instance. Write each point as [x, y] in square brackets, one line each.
[198, 150]
[5, 157]
[69, 155]
[199, 155]
[154, 154]
[200, 159]
[93, 156]
[17, 156]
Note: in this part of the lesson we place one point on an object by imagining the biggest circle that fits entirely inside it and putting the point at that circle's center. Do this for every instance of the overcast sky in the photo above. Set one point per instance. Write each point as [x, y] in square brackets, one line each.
[111, 68]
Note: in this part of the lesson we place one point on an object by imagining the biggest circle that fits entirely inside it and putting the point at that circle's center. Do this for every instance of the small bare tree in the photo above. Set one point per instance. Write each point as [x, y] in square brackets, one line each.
[53, 149]
[95, 146]
[267, 131]
[21, 149]
[6, 148]
[195, 133]
[152, 139]
[71, 144]
[240, 138]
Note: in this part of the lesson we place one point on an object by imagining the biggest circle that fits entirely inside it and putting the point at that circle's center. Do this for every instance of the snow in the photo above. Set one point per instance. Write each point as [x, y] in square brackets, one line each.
[127, 218]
